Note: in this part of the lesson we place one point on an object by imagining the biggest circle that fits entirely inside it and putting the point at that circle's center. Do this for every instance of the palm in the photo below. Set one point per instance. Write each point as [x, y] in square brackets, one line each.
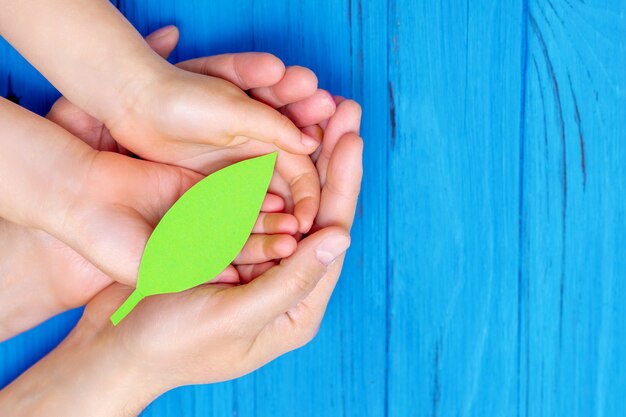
[126, 199]
[148, 337]
[74, 279]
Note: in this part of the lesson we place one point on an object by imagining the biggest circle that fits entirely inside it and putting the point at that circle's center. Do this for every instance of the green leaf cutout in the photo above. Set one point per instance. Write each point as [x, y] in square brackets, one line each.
[203, 232]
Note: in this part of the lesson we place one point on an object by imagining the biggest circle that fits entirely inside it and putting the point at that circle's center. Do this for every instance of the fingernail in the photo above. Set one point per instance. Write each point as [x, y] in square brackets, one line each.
[332, 248]
[161, 32]
[309, 142]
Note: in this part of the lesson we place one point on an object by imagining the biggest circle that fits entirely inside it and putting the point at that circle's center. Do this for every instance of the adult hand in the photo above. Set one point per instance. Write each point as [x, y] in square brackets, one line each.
[221, 331]
[59, 278]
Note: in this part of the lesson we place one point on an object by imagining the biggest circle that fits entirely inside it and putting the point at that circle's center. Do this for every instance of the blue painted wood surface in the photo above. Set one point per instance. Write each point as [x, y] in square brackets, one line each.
[488, 271]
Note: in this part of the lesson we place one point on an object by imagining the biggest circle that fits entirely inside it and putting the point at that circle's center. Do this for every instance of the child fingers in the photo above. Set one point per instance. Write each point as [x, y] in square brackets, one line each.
[304, 183]
[312, 110]
[245, 70]
[263, 248]
[230, 275]
[273, 203]
[280, 187]
[276, 223]
[249, 272]
[259, 121]
[297, 84]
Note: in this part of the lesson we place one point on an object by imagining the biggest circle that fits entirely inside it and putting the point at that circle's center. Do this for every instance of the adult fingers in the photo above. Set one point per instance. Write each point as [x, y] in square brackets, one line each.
[230, 275]
[312, 110]
[249, 272]
[284, 286]
[164, 40]
[346, 119]
[343, 182]
[263, 248]
[246, 70]
[80, 124]
[296, 84]
[338, 206]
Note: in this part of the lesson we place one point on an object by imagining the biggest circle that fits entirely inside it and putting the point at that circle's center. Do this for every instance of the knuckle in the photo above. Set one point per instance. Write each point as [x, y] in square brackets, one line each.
[339, 190]
[300, 282]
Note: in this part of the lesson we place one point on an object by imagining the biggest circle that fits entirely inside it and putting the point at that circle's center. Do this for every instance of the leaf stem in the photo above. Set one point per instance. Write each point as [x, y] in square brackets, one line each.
[127, 307]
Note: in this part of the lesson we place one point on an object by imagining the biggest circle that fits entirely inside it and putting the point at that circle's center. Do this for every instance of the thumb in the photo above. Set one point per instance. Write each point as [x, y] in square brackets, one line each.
[284, 286]
[164, 40]
[268, 125]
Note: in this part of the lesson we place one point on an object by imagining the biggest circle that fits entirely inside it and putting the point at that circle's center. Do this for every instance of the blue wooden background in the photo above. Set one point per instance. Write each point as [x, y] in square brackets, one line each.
[488, 271]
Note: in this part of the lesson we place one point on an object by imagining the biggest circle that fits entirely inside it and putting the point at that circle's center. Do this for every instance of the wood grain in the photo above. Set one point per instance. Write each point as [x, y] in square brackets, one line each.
[486, 276]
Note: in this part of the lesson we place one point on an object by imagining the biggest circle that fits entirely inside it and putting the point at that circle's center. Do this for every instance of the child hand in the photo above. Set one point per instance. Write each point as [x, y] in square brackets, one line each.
[59, 278]
[295, 95]
[293, 91]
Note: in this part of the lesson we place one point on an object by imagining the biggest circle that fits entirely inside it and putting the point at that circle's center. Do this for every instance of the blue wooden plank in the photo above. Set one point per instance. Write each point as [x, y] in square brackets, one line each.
[20, 352]
[456, 77]
[573, 221]
[327, 39]
[486, 254]
[19, 79]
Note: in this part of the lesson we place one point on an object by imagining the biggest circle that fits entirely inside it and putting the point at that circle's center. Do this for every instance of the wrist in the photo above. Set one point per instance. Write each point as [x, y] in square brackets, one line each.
[140, 79]
[41, 167]
[22, 279]
[85, 375]
[102, 53]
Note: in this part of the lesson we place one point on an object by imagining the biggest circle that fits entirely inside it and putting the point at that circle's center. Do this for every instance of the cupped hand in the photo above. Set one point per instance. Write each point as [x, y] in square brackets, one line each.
[177, 124]
[63, 278]
[210, 333]
[48, 277]
[112, 182]
[224, 331]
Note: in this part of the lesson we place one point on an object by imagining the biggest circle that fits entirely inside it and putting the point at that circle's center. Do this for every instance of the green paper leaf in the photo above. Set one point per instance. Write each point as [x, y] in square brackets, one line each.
[203, 232]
